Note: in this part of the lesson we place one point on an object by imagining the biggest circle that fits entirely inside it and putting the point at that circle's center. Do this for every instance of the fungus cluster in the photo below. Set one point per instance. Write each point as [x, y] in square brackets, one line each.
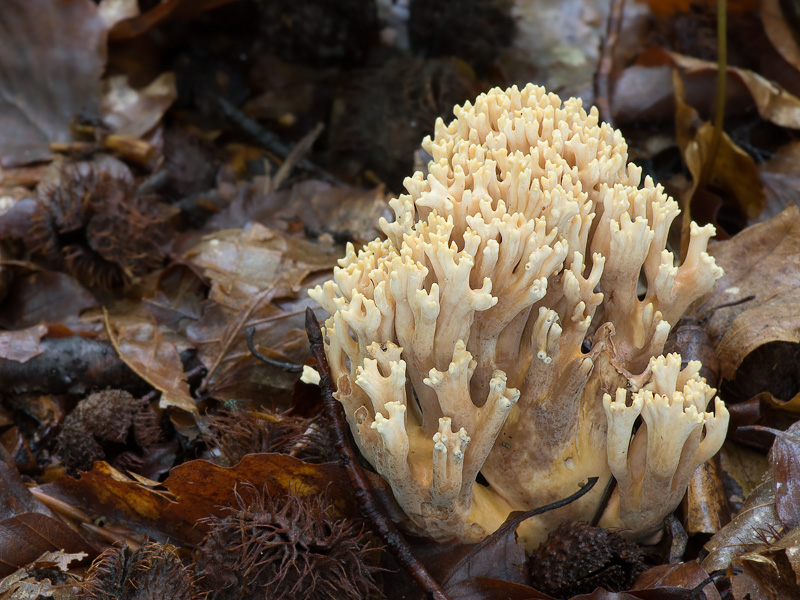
[458, 342]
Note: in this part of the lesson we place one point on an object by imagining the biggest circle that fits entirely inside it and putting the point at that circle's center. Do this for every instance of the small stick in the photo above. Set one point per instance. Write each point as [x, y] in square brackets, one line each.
[60, 507]
[605, 66]
[270, 141]
[611, 485]
[251, 345]
[719, 111]
[370, 507]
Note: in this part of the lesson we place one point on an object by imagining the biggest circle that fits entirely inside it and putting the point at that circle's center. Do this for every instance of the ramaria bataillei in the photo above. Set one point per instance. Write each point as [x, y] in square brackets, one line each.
[456, 342]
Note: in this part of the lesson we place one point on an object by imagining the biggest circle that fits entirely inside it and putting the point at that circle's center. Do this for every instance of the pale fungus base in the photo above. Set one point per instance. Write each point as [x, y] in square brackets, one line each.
[456, 342]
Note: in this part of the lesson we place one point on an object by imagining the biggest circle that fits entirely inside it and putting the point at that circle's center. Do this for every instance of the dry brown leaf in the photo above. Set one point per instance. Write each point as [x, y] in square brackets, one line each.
[774, 103]
[779, 31]
[23, 344]
[178, 299]
[687, 576]
[785, 456]
[771, 509]
[347, 213]
[233, 372]
[758, 515]
[757, 578]
[705, 506]
[733, 170]
[258, 279]
[27, 536]
[781, 179]
[50, 298]
[15, 498]
[153, 357]
[645, 90]
[34, 581]
[242, 263]
[762, 261]
[54, 79]
[745, 467]
[132, 112]
[483, 588]
[198, 489]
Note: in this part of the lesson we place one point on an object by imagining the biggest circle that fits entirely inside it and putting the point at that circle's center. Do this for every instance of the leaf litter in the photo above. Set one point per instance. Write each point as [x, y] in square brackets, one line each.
[249, 159]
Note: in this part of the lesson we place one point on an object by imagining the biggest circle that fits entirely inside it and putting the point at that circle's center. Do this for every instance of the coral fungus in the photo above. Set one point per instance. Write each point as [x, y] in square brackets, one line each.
[457, 341]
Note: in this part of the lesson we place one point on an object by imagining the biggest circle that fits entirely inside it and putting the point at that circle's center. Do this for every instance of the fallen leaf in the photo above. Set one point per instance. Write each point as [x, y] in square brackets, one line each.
[665, 8]
[484, 588]
[198, 489]
[762, 261]
[770, 509]
[744, 468]
[779, 31]
[733, 170]
[241, 263]
[132, 112]
[758, 579]
[233, 372]
[705, 505]
[27, 536]
[347, 213]
[55, 78]
[15, 498]
[774, 103]
[23, 344]
[258, 278]
[47, 297]
[152, 356]
[178, 299]
[758, 515]
[781, 180]
[779, 555]
[785, 456]
[687, 575]
[46, 577]
[645, 90]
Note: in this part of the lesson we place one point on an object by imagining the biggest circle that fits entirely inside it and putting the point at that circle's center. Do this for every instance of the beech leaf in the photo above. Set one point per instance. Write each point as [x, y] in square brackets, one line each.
[762, 261]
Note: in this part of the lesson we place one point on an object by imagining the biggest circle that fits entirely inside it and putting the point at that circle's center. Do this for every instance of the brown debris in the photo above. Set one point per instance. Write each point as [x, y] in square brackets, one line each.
[91, 223]
[153, 571]
[286, 547]
[104, 418]
[577, 558]
[232, 435]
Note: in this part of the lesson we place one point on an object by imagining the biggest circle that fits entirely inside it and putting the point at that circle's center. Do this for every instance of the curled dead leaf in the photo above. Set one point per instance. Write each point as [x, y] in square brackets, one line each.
[762, 261]
[732, 170]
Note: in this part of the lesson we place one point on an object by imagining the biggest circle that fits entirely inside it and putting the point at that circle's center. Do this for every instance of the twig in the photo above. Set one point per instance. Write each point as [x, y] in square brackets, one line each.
[270, 141]
[227, 341]
[286, 366]
[296, 155]
[369, 506]
[605, 66]
[611, 485]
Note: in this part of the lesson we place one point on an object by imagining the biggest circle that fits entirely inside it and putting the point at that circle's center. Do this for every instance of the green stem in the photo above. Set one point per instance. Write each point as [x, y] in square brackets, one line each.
[722, 70]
